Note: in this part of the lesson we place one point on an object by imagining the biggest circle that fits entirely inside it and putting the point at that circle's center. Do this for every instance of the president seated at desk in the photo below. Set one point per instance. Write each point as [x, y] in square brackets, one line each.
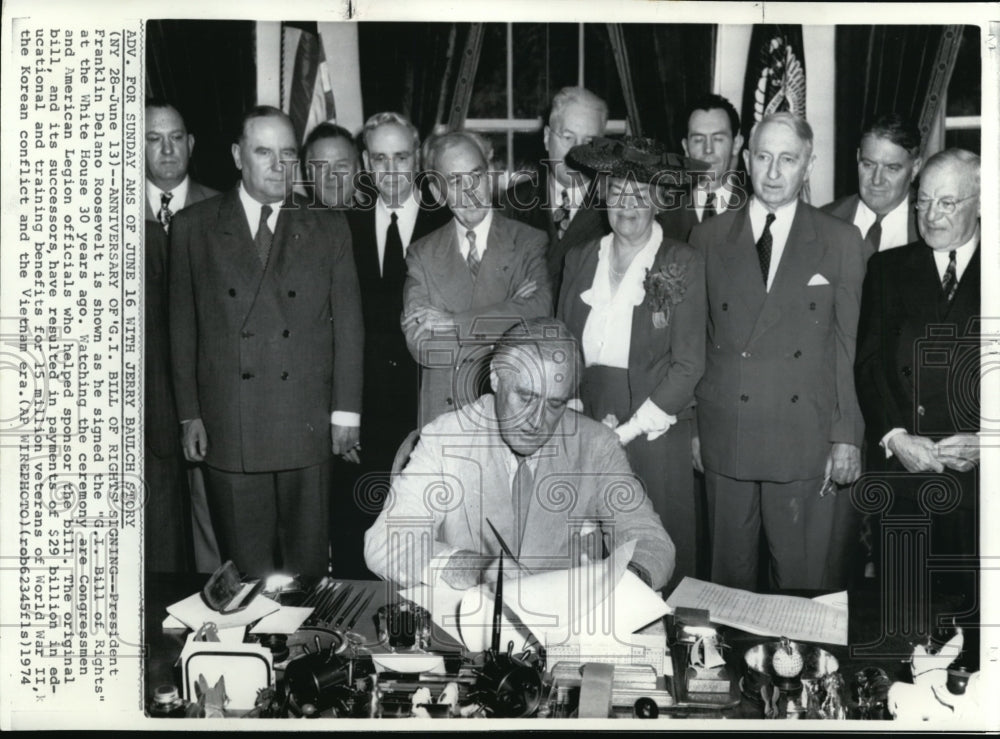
[548, 479]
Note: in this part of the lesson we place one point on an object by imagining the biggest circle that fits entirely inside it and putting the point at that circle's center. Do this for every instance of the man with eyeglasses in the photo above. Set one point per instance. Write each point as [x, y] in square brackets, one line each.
[888, 163]
[918, 359]
[468, 281]
[556, 201]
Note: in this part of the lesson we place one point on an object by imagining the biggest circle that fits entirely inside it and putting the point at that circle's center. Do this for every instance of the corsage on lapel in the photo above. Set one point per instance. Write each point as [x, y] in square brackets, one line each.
[664, 289]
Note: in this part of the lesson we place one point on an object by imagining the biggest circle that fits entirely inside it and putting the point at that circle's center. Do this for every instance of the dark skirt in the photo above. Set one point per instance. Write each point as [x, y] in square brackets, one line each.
[663, 465]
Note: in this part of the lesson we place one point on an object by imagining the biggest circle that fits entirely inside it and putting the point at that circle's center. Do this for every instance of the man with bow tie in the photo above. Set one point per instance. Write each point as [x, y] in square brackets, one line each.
[778, 416]
[177, 522]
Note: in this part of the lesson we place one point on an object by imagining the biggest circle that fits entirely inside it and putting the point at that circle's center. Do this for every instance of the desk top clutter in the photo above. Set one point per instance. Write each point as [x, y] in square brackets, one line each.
[611, 648]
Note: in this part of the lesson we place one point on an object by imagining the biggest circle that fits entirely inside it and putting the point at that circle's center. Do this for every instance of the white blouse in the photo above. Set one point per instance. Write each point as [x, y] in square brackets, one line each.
[607, 334]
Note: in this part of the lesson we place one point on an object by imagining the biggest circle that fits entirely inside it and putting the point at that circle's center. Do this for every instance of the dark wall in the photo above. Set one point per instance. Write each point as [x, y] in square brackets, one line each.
[208, 70]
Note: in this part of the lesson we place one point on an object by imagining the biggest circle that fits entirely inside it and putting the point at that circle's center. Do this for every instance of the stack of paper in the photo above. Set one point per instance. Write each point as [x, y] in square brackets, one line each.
[766, 615]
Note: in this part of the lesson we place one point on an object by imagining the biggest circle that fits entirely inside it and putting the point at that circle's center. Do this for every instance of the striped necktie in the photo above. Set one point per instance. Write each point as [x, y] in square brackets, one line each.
[165, 213]
[473, 259]
[949, 283]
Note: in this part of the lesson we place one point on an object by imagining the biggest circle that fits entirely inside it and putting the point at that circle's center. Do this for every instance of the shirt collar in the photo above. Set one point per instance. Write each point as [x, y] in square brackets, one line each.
[898, 214]
[178, 195]
[481, 231]
[575, 194]
[785, 212]
[721, 196]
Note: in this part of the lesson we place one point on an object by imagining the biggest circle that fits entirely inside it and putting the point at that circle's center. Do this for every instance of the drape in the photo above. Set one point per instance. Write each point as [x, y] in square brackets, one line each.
[208, 70]
[410, 68]
[671, 66]
[880, 70]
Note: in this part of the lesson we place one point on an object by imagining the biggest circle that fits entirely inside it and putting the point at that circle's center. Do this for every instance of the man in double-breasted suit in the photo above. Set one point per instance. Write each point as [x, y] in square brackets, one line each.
[713, 137]
[777, 410]
[888, 163]
[468, 281]
[559, 202]
[267, 341]
[919, 353]
[177, 521]
[518, 459]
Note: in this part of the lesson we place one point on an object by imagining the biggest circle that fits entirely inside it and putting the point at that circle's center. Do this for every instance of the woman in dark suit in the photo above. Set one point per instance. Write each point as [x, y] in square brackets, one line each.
[636, 301]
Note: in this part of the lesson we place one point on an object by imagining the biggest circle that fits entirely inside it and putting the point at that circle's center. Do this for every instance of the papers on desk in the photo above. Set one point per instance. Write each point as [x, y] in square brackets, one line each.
[767, 615]
[600, 602]
[193, 612]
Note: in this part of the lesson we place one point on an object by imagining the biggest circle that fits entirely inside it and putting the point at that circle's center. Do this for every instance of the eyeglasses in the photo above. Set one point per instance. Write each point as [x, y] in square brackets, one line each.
[945, 205]
[569, 139]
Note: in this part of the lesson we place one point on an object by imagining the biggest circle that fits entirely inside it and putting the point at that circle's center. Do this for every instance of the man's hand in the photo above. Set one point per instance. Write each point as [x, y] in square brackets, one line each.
[916, 453]
[427, 320]
[843, 466]
[525, 291]
[194, 440]
[466, 569]
[346, 442]
[959, 452]
[696, 454]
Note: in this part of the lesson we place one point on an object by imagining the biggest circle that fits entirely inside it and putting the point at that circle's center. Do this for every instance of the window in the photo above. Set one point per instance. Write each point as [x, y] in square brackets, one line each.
[963, 101]
[521, 66]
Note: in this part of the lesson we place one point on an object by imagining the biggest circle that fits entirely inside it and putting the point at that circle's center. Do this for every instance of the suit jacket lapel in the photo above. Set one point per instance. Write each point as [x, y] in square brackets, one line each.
[966, 300]
[454, 281]
[495, 260]
[236, 240]
[798, 263]
[287, 241]
[739, 256]
[578, 311]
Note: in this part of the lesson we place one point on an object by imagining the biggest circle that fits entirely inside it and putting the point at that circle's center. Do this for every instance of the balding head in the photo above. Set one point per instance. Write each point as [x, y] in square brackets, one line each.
[948, 199]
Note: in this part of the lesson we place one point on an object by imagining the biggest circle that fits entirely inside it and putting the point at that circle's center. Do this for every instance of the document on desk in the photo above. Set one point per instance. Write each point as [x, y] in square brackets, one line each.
[767, 615]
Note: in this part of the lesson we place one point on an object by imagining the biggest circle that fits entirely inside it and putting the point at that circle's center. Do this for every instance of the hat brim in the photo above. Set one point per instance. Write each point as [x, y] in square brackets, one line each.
[614, 158]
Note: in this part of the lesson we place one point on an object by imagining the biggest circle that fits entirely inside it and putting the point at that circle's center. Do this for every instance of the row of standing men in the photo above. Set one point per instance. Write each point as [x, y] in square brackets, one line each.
[764, 402]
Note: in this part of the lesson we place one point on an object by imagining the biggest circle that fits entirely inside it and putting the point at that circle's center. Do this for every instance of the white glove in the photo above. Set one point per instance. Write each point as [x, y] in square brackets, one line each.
[649, 419]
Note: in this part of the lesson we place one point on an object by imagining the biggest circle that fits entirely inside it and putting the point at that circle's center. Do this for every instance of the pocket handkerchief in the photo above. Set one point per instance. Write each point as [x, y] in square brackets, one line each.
[817, 279]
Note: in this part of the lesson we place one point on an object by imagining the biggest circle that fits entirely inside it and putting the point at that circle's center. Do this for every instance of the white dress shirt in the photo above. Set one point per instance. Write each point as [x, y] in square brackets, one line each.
[963, 255]
[895, 225]
[720, 205]
[607, 334]
[178, 196]
[251, 209]
[783, 218]
[575, 195]
[481, 231]
[406, 221]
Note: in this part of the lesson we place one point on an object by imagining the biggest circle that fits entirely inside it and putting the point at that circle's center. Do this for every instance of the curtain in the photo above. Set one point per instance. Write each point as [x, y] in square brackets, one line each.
[880, 70]
[208, 70]
[671, 66]
[410, 68]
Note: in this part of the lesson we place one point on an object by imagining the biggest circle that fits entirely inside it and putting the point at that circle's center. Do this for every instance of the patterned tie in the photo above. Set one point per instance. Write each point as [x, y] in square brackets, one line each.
[949, 283]
[264, 236]
[473, 259]
[393, 264]
[874, 235]
[709, 210]
[165, 213]
[521, 492]
[561, 215]
[764, 248]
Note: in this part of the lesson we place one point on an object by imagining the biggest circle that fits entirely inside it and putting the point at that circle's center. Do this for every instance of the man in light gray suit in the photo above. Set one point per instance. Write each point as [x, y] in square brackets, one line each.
[553, 482]
[468, 281]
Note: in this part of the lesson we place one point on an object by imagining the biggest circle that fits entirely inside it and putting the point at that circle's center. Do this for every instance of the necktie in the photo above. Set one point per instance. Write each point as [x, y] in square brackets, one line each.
[393, 264]
[165, 213]
[473, 259]
[709, 210]
[764, 248]
[874, 235]
[561, 215]
[521, 492]
[949, 283]
[264, 236]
